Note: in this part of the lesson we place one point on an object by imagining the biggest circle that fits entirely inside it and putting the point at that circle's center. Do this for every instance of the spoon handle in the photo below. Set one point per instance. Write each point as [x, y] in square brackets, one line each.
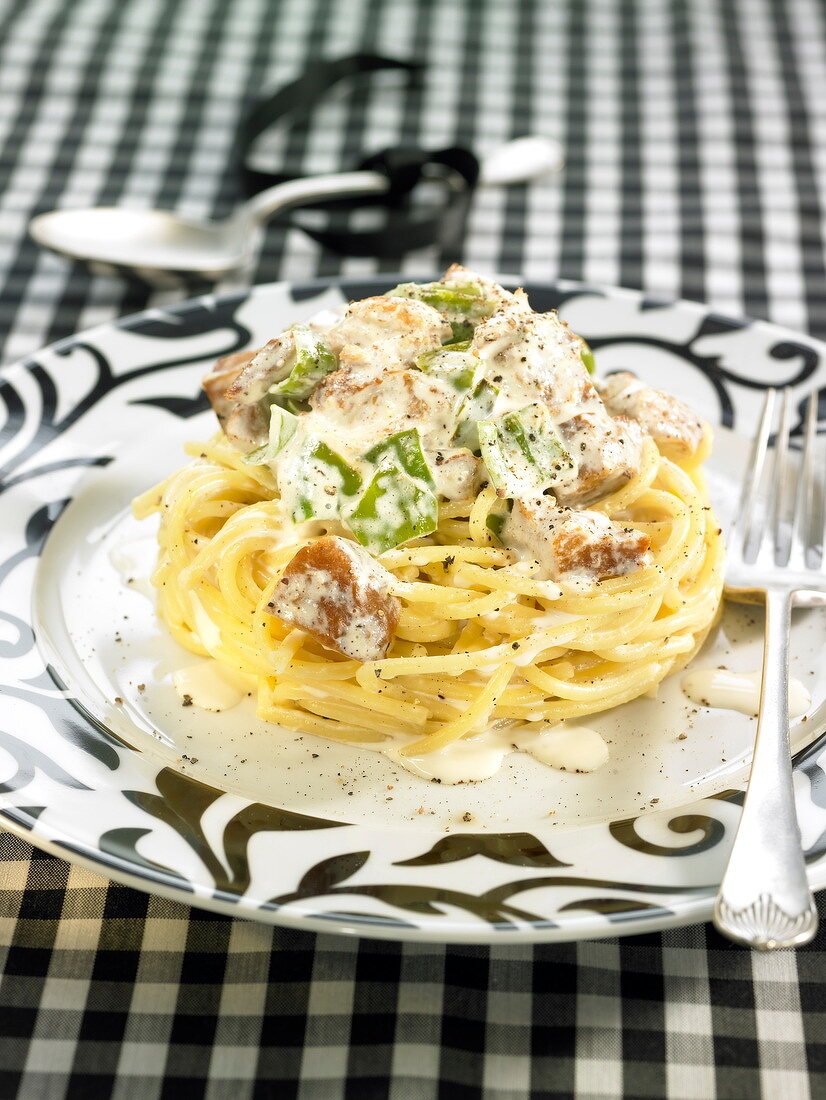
[300, 192]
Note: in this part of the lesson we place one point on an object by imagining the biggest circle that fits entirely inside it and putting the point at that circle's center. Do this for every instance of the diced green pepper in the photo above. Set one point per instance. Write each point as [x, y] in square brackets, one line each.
[282, 428]
[495, 522]
[430, 356]
[316, 481]
[392, 509]
[453, 363]
[292, 405]
[522, 453]
[461, 332]
[403, 449]
[313, 361]
[477, 406]
[587, 357]
[460, 302]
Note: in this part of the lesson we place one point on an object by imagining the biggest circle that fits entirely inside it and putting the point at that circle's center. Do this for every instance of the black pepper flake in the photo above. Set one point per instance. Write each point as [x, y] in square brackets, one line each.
[186, 701]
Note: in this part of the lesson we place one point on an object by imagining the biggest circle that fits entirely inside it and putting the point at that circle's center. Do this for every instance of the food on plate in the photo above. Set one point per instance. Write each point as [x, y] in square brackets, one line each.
[425, 516]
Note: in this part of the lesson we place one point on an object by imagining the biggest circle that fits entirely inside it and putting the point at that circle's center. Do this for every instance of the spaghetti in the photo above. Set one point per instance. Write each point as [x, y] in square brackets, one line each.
[482, 636]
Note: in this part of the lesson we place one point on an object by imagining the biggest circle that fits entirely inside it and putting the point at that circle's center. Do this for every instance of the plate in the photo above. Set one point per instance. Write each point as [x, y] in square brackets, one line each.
[101, 764]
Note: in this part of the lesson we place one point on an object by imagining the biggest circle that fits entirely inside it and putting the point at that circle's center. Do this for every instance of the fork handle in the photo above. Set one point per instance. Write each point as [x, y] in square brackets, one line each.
[764, 899]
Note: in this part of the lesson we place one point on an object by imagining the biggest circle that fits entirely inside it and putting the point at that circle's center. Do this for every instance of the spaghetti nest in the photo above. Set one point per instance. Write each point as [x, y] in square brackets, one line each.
[480, 638]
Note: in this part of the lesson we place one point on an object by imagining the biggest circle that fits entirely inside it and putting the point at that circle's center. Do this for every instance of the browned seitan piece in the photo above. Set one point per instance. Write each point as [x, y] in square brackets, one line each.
[266, 366]
[386, 333]
[373, 407]
[607, 452]
[567, 542]
[338, 593]
[675, 428]
[221, 377]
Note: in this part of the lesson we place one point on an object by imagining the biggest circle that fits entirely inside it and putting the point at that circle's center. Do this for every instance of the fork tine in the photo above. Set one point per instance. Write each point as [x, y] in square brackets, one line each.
[741, 526]
[804, 519]
[782, 480]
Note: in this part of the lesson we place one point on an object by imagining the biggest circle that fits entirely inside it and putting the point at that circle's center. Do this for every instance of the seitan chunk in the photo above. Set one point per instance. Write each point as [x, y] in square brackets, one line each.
[386, 333]
[267, 366]
[221, 377]
[675, 428]
[368, 408]
[607, 452]
[457, 473]
[247, 427]
[340, 595]
[579, 543]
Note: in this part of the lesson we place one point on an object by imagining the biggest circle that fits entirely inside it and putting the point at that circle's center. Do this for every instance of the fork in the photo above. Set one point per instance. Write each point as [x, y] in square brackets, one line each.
[764, 899]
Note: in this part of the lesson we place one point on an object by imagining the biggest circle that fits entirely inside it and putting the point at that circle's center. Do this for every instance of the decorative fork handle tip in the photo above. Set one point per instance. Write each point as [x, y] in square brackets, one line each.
[764, 925]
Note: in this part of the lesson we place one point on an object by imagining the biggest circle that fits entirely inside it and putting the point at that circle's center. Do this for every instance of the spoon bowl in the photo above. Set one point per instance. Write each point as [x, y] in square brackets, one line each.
[139, 238]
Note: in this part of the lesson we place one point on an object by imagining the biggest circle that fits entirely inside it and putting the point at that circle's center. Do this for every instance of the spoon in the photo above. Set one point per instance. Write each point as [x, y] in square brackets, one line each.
[157, 241]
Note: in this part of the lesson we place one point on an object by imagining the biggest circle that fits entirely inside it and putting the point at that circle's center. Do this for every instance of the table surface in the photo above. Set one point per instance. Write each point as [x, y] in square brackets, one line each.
[695, 138]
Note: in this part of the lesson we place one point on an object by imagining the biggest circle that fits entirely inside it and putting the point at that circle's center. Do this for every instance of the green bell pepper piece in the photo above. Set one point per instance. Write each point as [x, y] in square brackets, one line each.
[587, 357]
[462, 303]
[403, 449]
[322, 483]
[452, 363]
[392, 510]
[477, 406]
[522, 452]
[283, 426]
[313, 361]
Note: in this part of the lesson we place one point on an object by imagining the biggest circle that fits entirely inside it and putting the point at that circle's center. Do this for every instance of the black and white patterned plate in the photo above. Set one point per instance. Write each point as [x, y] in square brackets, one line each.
[100, 764]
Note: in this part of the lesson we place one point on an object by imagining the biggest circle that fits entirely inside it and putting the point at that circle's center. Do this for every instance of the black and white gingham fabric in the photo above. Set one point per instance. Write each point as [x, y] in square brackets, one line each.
[695, 137]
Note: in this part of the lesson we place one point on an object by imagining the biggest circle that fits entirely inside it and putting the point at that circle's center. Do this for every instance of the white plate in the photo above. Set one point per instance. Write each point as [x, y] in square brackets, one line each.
[227, 812]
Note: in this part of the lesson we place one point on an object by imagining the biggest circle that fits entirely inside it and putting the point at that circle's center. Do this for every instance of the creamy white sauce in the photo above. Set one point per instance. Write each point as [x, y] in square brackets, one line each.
[718, 687]
[527, 358]
[565, 747]
[211, 686]
[456, 472]
[134, 562]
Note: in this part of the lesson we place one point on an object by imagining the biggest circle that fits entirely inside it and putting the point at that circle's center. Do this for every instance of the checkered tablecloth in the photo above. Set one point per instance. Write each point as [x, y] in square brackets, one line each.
[695, 138]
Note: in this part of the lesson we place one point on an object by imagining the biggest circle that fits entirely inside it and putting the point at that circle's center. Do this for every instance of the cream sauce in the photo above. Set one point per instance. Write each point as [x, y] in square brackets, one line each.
[211, 686]
[565, 747]
[457, 473]
[134, 562]
[718, 687]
